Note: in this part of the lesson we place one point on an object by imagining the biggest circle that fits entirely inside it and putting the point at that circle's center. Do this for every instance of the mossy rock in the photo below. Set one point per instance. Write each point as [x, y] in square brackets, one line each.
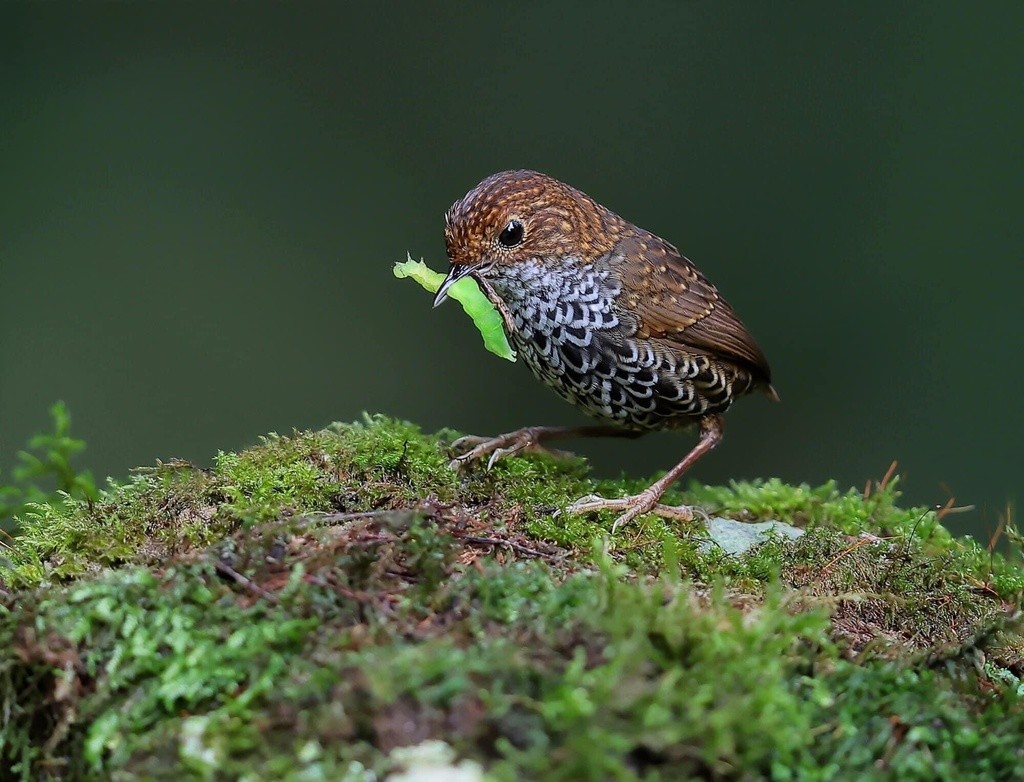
[307, 608]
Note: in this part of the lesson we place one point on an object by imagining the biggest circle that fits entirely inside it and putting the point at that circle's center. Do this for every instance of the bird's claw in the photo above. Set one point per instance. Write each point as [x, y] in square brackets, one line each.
[497, 448]
[469, 441]
[492, 448]
[501, 453]
[633, 506]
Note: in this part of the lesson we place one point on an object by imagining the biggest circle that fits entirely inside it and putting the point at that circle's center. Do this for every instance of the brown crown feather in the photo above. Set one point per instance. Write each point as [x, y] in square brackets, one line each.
[560, 220]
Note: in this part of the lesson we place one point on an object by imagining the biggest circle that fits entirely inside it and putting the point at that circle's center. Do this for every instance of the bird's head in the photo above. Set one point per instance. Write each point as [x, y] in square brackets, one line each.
[518, 216]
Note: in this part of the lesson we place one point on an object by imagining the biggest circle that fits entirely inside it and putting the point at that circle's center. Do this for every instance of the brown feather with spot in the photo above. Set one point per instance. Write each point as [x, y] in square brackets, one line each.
[675, 302]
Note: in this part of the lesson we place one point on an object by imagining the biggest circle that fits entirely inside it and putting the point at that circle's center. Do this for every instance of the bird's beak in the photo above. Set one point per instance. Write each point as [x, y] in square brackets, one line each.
[455, 273]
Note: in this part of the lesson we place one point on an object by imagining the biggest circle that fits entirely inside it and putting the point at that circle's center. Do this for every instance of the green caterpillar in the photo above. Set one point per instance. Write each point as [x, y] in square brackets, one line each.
[472, 299]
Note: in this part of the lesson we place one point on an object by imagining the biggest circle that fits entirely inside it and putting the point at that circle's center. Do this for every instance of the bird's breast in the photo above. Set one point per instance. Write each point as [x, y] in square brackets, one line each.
[563, 320]
[563, 301]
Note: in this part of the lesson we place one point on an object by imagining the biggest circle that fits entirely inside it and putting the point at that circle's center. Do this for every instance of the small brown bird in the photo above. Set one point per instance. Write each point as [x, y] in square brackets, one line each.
[611, 317]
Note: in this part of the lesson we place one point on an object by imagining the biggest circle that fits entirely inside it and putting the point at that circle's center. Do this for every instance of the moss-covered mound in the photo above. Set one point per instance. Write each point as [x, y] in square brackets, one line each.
[312, 607]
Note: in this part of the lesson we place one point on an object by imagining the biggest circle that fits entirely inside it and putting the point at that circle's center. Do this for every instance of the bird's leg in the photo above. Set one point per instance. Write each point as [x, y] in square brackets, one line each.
[526, 440]
[647, 500]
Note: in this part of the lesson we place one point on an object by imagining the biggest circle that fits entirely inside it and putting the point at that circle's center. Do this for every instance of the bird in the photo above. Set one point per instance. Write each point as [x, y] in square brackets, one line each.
[611, 317]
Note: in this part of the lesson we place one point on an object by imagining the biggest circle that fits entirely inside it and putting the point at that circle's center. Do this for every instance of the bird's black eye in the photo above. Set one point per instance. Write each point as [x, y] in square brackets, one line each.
[512, 234]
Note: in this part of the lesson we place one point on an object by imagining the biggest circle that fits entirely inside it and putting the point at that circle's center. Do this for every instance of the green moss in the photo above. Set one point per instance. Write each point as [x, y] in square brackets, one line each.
[175, 507]
[309, 605]
[160, 512]
[893, 722]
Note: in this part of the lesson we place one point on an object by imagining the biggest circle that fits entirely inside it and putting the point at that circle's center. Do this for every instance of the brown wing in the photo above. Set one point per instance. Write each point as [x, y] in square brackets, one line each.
[676, 303]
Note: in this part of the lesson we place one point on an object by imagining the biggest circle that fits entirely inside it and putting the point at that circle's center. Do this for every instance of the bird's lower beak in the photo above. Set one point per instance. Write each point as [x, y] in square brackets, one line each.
[456, 273]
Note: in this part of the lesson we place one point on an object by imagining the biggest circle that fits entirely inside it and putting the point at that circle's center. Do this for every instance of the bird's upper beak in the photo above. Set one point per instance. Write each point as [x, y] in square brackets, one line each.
[455, 273]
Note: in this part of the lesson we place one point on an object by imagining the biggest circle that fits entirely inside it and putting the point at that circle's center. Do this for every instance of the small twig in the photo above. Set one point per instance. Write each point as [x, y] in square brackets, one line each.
[309, 578]
[849, 550]
[984, 587]
[888, 476]
[61, 729]
[403, 460]
[335, 518]
[483, 541]
[948, 509]
[248, 583]
[344, 591]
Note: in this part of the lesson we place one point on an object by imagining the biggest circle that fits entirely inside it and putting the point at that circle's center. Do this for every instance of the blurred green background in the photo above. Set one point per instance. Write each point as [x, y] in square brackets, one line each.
[201, 203]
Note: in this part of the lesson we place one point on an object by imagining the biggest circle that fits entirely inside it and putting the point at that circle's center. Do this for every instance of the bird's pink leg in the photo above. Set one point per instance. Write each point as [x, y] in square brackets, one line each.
[647, 500]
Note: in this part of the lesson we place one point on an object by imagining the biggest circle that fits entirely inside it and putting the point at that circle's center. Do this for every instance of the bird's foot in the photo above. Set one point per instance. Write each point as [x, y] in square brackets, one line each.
[525, 440]
[633, 506]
